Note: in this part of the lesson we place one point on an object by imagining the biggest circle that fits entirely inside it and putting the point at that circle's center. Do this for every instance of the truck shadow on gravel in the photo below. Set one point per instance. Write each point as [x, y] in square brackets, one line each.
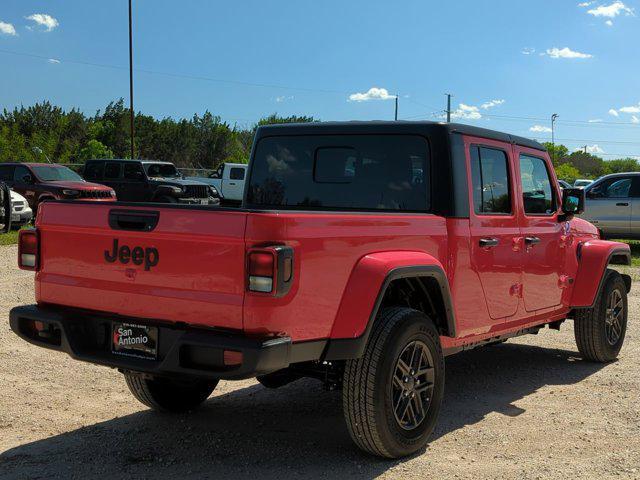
[296, 430]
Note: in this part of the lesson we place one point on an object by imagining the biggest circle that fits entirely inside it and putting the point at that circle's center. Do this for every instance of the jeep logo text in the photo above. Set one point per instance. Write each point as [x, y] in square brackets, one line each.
[137, 255]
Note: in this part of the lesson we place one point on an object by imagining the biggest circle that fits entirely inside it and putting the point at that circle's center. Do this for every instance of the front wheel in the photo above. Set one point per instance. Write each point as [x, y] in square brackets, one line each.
[600, 330]
[167, 394]
[392, 395]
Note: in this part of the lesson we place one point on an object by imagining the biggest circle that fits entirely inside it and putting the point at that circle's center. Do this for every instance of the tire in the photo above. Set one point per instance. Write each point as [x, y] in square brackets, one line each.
[600, 330]
[370, 393]
[168, 395]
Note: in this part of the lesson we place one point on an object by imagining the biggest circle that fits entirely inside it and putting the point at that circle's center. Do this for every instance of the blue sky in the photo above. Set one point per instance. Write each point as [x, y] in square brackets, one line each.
[518, 59]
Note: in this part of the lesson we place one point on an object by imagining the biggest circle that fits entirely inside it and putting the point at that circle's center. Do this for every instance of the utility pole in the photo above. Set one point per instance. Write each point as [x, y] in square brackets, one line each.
[396, 116]
[448, 107]
[553, 140]
[132, 114]
[585, 148]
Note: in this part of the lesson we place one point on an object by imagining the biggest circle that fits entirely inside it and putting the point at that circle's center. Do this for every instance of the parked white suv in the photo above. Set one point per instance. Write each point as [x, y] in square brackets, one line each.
[21, 213]
[228, 180]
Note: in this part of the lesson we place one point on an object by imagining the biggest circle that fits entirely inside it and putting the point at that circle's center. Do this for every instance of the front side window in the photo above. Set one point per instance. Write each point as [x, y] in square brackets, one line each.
[537, 193]
[348, 172]
[20, 173]
[236, 173]
[618, 187]
[133, 171]
[490, 180]
[161, 170]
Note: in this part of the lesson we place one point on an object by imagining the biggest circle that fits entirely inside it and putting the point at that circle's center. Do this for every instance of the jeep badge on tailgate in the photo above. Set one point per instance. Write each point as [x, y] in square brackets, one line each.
[137, 255]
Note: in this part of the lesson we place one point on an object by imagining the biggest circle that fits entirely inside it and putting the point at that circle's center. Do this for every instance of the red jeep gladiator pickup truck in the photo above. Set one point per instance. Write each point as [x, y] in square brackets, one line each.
[364, 253]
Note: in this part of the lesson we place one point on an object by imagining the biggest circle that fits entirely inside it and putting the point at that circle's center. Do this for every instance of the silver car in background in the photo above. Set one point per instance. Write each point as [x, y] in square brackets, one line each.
[612, 203]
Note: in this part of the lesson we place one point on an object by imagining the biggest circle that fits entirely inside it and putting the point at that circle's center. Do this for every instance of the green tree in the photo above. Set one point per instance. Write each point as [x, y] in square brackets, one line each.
[94, 149]
[557, 152]
[567, 172]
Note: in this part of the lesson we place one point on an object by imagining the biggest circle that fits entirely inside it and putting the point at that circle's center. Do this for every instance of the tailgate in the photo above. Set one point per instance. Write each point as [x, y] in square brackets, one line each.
[165, 263]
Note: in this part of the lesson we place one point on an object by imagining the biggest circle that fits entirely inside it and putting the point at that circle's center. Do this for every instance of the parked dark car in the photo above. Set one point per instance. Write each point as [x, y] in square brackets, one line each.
[149, 181]
[5, 208]
[38, 182]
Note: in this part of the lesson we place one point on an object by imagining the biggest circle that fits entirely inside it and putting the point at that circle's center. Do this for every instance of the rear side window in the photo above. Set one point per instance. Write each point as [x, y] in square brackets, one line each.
[490, 180]
[6, 173]
[112, 170]
[236, 173]
[349, 172]
[537, 193]
[94, 171]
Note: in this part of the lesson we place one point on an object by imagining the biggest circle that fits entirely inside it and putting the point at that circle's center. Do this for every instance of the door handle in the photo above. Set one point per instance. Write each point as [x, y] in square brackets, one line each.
[232, 183]
[488, 242]
[622, 204]
[531, 241]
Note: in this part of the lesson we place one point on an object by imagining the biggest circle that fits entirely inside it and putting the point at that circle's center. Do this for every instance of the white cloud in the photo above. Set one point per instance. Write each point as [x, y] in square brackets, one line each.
[53, 60]
[609, 23]
[635, 119]
[540, 129]
[595, 120]
[283, 98]
[586, 4]
[611, 11]
[631, 109]
[593, 149]
[7, 29]
[528, 51]
[613, 112]
[491, 104]
[467, 112]
[566, 52]
[45, 20]
[373, 93]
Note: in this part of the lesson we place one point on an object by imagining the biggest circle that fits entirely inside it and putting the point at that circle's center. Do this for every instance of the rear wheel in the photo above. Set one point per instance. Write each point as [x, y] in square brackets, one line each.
[392, 395]
[600, 330]
[169, 395]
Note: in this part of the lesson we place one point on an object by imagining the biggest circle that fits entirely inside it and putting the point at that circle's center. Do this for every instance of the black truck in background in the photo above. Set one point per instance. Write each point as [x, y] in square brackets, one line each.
[149, 181]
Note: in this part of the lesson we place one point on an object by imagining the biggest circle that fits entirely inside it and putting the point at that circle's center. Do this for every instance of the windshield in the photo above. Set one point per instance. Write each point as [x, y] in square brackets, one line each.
[50, 173]
[162, 170]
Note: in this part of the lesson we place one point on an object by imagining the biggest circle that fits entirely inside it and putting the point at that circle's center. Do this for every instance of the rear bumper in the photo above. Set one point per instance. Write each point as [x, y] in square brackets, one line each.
[181, 350]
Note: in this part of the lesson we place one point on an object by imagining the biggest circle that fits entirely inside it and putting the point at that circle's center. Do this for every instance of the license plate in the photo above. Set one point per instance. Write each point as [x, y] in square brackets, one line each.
[135, 340]
[204, 201]
[15, 217]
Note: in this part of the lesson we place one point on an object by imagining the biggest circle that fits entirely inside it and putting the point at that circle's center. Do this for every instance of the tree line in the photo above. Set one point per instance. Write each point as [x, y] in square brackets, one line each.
[580, 164]
[31, 134]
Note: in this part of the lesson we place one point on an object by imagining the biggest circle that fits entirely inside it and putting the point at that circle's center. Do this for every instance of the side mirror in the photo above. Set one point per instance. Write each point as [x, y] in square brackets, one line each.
[5, 208]
[572, 201]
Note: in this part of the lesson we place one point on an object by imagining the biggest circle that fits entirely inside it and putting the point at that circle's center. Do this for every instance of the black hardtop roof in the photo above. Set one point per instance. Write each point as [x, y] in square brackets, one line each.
[394, 127]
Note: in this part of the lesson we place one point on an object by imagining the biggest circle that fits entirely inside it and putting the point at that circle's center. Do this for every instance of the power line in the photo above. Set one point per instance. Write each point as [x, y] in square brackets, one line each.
[180, 75]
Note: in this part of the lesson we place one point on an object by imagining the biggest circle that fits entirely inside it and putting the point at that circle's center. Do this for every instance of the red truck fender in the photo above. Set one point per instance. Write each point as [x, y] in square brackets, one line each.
[365, 291]
[593, 258]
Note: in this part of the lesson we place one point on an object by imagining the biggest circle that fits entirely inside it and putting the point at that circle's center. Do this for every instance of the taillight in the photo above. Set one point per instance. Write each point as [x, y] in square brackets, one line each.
[28, 249]
[270, 270]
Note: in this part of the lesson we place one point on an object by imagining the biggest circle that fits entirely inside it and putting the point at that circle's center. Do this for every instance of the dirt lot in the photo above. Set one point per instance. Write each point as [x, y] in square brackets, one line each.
[529, 408]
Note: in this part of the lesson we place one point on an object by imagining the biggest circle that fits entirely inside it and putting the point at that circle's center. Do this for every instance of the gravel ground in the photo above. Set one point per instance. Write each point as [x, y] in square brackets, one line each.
[529, 409]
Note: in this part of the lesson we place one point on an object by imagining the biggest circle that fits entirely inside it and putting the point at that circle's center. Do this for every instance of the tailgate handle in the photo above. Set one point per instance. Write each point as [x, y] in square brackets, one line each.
[135, 220]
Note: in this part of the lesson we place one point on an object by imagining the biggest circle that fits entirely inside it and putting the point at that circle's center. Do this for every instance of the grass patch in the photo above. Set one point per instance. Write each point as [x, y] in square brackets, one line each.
[634, 245]
[10, 238]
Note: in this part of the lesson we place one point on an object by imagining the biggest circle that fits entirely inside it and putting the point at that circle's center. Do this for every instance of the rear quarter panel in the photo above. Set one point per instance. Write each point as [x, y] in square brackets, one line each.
[327, 247]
